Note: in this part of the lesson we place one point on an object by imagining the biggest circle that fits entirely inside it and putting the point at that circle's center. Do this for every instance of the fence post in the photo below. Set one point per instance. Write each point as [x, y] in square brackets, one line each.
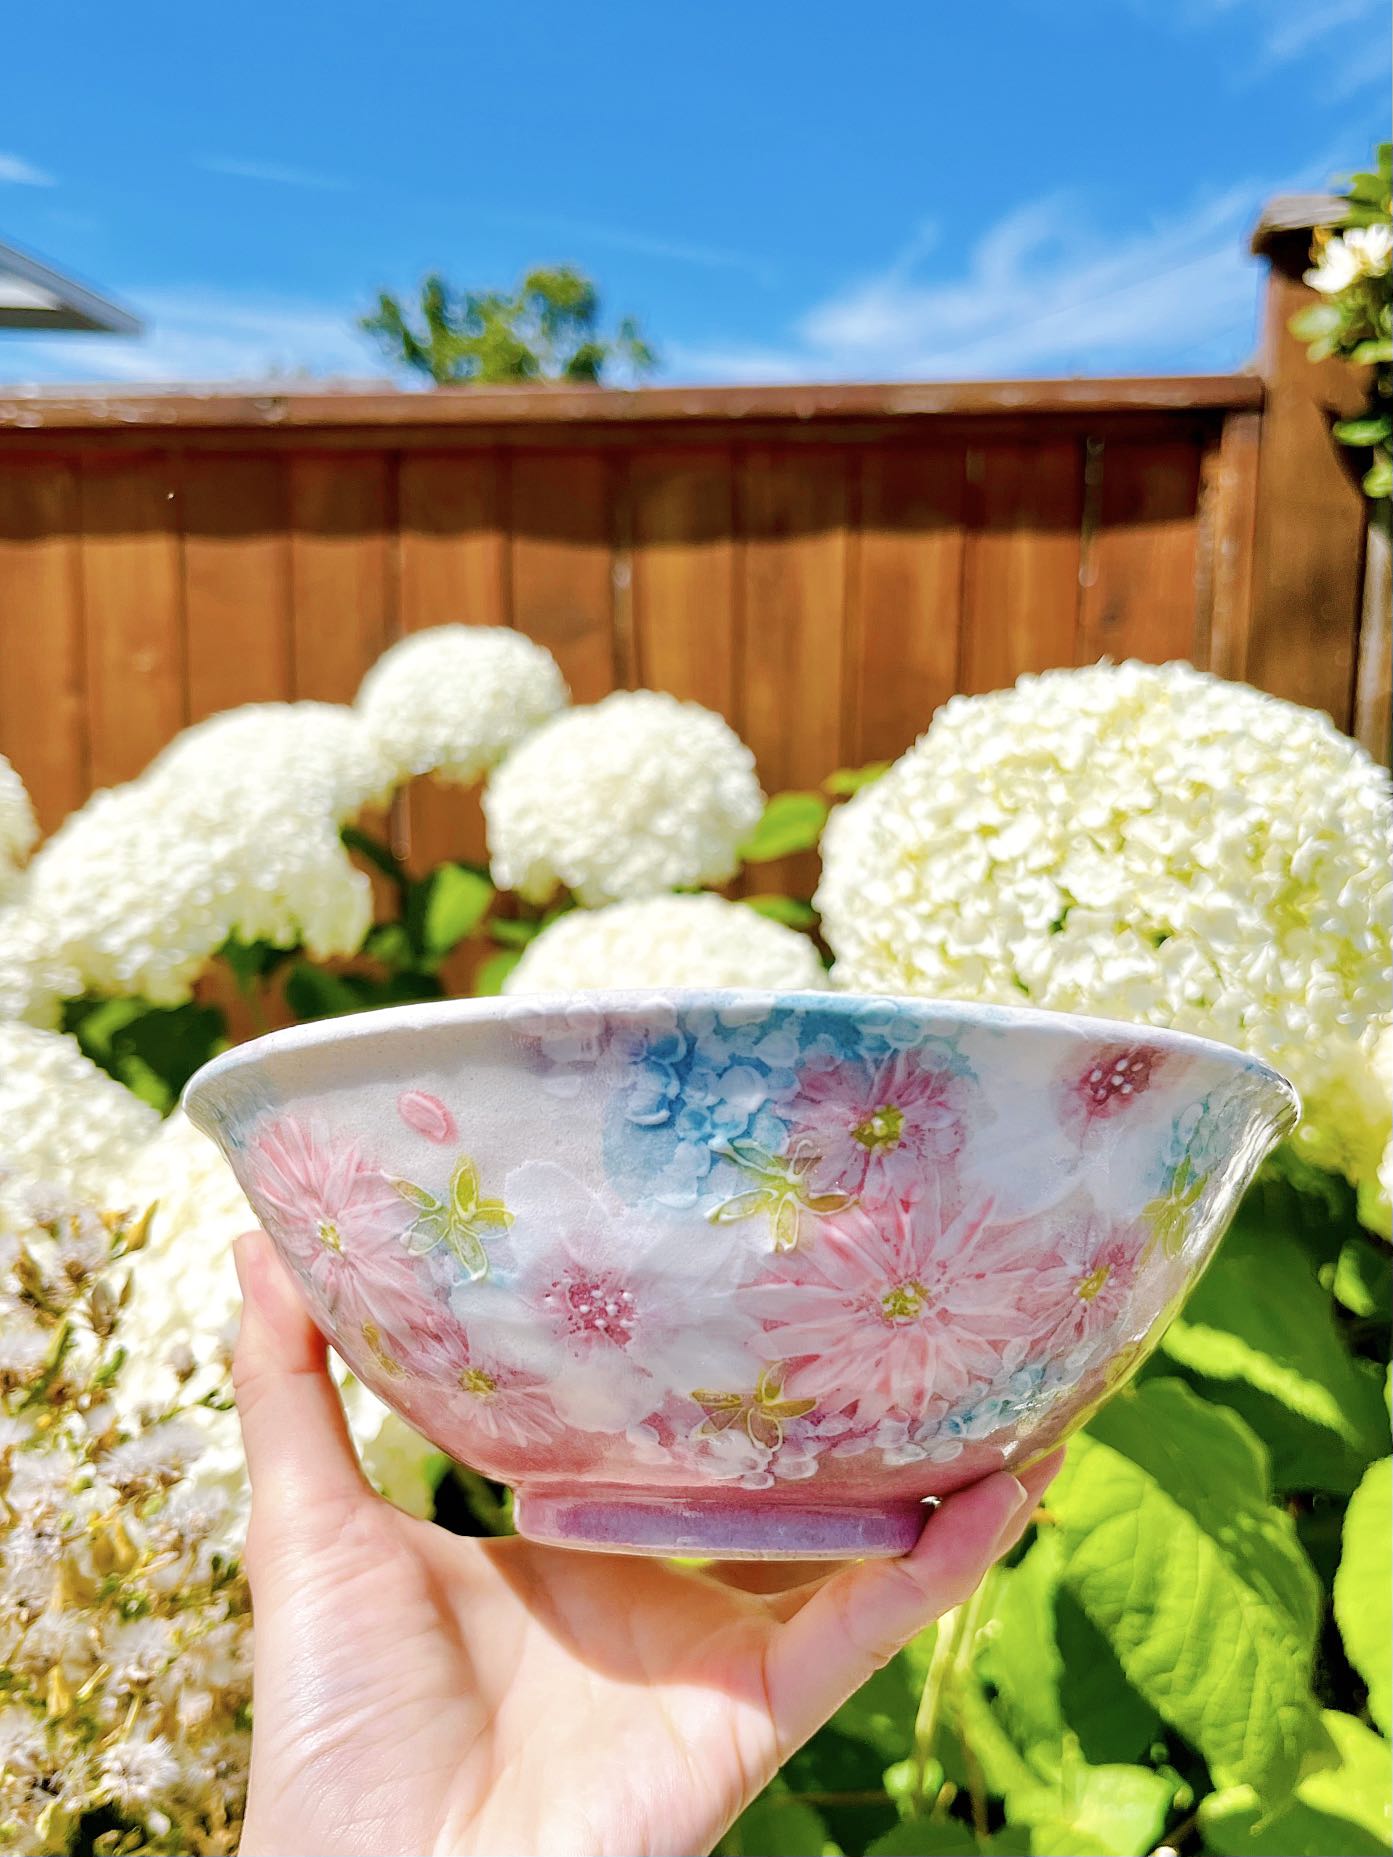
[1308, 562]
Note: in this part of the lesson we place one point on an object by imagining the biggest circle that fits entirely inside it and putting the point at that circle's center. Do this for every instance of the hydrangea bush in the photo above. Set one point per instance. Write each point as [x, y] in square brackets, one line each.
[1184, 1654]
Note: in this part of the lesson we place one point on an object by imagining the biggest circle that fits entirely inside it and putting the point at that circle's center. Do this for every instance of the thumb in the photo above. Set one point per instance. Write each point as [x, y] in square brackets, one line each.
[299, 1453]
[862, 1615]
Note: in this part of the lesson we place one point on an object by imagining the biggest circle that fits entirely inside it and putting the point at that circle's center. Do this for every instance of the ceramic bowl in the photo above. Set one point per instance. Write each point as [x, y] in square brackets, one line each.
[737, 1273]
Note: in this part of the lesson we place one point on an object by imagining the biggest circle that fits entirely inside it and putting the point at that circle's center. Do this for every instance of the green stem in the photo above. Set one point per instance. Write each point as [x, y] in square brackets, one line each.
[381, 856]
[949, 1663]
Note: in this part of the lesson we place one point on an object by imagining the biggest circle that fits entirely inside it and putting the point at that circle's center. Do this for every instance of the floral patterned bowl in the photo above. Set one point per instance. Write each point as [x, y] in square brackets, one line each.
[738, 1273]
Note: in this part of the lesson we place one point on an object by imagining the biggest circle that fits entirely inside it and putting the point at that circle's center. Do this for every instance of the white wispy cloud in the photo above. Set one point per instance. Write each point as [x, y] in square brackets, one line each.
[582, 232]
[1343, 42]
[15, 171]
[202, 335]
[1040, 290]
[274, 173]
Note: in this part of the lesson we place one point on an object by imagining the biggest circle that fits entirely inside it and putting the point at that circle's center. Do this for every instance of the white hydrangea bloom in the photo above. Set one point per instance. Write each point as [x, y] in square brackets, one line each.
[1147, 844]
[667, 941]
[186, 1296]
[18, 827]
[632, 796]
[453, 700]
[32, 980]
[65, 1125]
[1375, 1178]
[234, 829]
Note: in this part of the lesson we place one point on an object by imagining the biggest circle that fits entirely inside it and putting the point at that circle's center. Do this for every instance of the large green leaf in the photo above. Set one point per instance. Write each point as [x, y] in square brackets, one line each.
[1059, 1686]
[1340, 1810]
[791, 822]
[456, 901]
[1303, 1456]
[789, 910]
[1360, 1279]
[1260, 1316]
[489, 975]
[1177, 1554]
[848, 780]
[153, 1050]
[926, 1837]
[1094, 1812]
[1362, 1607]
[315, 993]
[881, 1713]
[848, 1775]
[776, 1827]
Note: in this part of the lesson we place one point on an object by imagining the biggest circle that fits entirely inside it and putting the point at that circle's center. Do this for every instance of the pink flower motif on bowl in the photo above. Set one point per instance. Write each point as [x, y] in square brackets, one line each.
[887, 1312]
[427, 1115]
[338, 1223]
[878, 1128]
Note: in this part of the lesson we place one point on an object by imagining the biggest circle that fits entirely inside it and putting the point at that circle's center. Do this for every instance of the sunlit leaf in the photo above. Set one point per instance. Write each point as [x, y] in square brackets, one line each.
[792, 822]
[1260, 1315]
[456, 903]
[1178, 1555]
[1337, 1810]
[789, 910]
[1362, 1605]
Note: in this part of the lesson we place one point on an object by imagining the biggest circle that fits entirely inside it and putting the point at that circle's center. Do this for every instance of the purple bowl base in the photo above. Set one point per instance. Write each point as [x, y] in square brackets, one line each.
[719, 1527]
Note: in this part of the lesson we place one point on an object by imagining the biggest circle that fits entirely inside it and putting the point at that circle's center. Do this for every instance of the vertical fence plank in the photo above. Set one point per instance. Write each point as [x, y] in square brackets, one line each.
[133, 615]
[1021, 577]
[452, 566]
[903, 654]
[452, 570]
[342, 593]
[342, 580]
[794, 509]
[683, 567]
[1139, 571]
[562, 539]
[236, 582]
[43, 717]
[1228, 510]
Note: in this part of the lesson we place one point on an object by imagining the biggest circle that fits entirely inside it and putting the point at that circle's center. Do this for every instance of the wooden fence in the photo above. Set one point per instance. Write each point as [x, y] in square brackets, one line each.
[823, 565]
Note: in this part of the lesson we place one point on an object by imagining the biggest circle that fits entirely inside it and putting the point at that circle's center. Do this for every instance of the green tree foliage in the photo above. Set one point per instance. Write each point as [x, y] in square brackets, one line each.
[1354, 319]
[547, 328]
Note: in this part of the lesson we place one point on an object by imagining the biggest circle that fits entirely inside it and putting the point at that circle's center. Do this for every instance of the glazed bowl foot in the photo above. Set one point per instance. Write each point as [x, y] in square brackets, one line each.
[719, 1527]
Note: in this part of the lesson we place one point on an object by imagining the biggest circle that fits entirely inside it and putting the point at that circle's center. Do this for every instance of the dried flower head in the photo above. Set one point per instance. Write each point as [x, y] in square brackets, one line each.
[124, 1624]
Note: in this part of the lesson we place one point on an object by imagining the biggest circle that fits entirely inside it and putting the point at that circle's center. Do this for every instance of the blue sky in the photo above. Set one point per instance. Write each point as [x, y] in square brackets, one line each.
[777, 189]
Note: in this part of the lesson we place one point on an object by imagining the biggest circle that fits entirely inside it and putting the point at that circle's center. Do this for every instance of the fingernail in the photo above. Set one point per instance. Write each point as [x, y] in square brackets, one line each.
[1013, 1518]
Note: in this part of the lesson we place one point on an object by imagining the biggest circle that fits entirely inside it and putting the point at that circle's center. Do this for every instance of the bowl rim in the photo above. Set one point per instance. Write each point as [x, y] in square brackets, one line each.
[389, 1022]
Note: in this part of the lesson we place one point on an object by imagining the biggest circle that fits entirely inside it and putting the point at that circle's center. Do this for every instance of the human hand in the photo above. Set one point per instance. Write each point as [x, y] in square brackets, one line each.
[417, 1692]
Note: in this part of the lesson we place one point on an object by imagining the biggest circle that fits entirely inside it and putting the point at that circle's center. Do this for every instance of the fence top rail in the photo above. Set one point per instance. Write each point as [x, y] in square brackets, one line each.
[277, 407]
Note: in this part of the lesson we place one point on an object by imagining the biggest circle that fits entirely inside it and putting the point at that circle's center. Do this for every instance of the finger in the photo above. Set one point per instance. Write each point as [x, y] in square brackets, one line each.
[299, 1453]
[1036, 1480]
[863, 1615]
